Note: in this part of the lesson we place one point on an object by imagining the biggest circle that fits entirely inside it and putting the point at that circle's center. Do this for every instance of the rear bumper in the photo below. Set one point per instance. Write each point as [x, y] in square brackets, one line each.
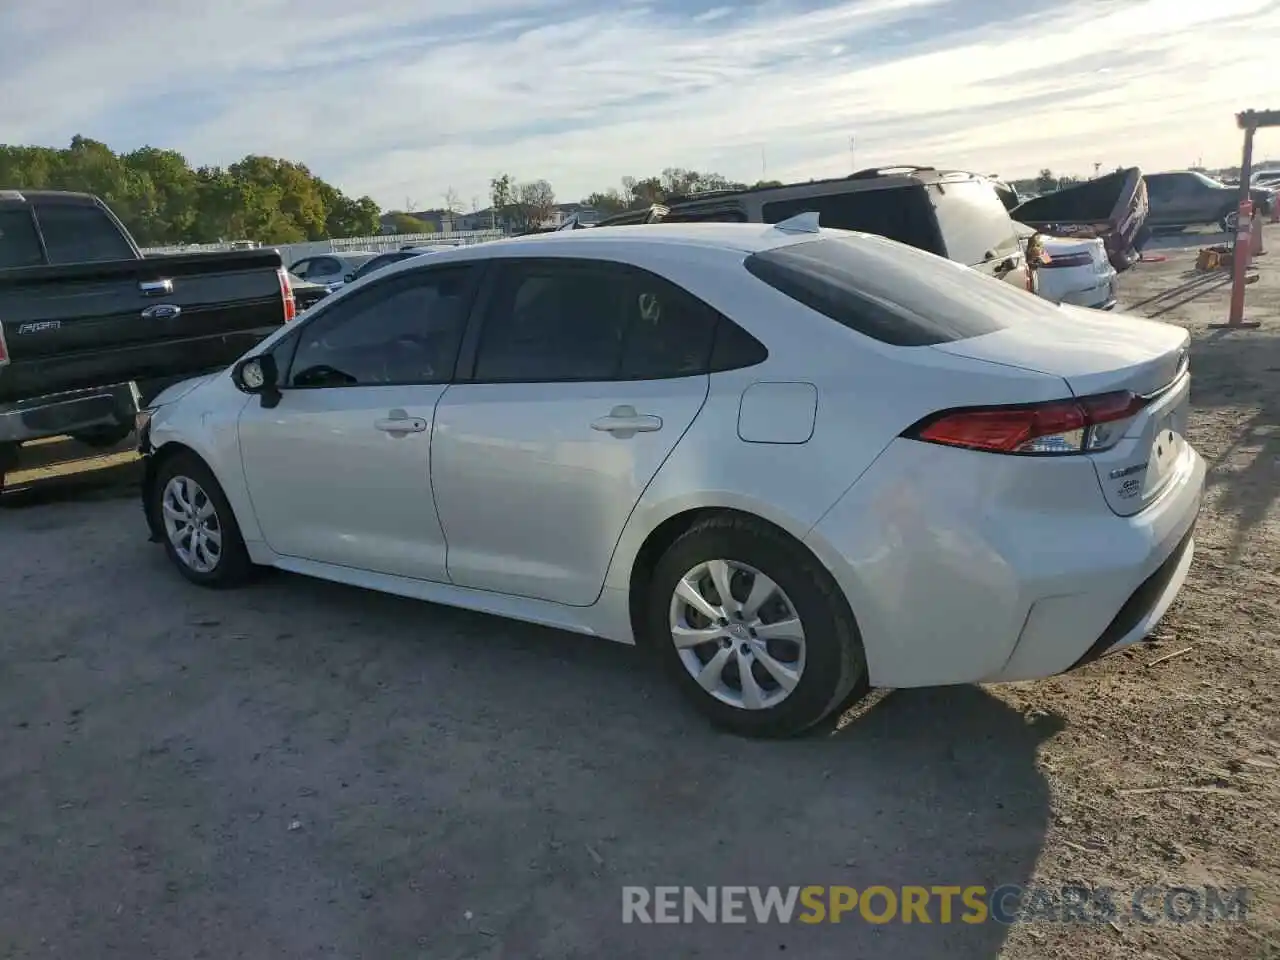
[1145, 606]
[73, 412]
[963, 567]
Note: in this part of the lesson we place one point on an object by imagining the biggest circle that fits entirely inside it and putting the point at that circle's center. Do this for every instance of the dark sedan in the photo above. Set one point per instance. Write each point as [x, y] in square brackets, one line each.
[1188, 198]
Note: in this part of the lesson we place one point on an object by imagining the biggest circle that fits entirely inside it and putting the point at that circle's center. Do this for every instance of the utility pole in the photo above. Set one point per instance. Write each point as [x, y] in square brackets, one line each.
[853, 161]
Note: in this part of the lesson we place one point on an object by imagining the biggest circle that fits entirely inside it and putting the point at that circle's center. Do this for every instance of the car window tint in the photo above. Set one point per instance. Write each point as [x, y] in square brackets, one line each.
[897, 296]
[404, 330]
[19, 245]
[80, 234]
[735, 348]
[377, 263]
[902, 213]
[975, 225]
[669, 331]
[1158, 187]
[324, 266]
[554, 321]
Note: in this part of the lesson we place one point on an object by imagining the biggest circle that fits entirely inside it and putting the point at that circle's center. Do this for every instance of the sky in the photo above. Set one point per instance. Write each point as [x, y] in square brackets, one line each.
[406, 99]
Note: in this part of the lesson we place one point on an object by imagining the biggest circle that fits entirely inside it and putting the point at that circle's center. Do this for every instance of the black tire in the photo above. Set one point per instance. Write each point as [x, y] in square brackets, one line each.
[233, 566]
[102, 437]
[8, 461]
[835, 665]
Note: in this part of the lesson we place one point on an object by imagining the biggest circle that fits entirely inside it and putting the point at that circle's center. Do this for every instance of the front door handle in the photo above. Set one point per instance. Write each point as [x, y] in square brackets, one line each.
[623, 422]
[399, 423]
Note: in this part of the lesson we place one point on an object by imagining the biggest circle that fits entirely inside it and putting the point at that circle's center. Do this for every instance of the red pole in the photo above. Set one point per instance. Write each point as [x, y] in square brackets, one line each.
[1242, 251]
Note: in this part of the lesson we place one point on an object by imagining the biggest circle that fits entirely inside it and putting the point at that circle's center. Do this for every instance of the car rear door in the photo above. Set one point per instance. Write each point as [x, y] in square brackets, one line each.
[581, 379]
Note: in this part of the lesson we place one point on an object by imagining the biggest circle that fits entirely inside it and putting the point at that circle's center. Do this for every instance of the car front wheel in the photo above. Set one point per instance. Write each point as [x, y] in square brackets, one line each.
[201, 536]
[753, 629]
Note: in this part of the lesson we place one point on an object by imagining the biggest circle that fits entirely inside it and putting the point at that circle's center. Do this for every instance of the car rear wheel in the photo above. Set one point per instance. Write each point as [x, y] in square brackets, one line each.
[753, 629]
[200, 532]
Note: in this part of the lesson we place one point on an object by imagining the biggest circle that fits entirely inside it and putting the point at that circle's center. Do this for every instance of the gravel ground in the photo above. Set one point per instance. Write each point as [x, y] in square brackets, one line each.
[306, 770]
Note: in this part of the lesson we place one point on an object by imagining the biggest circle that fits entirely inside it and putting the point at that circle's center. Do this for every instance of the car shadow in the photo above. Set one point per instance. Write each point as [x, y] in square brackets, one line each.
[490, 787]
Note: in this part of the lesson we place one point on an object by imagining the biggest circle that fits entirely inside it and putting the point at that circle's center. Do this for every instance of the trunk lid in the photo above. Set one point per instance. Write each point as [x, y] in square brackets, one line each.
[1112, 208]
[1099, 353]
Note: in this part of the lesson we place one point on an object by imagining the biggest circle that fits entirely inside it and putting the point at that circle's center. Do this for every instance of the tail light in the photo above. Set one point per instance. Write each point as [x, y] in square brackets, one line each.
[1084, 425]
[4, 348]
[286, 292]
[1082, 259]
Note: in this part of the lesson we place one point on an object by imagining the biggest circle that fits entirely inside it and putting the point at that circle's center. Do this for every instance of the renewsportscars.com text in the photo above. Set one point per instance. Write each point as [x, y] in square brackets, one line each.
[970, 904]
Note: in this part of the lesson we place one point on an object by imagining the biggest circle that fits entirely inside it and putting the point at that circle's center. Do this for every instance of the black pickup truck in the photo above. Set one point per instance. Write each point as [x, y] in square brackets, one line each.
[90, 329]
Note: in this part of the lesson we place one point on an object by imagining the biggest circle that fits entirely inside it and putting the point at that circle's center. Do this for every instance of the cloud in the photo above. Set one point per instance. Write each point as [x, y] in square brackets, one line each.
[404, 98]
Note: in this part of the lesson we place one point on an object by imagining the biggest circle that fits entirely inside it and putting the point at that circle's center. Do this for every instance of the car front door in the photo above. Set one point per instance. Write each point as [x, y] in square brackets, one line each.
[339, 471]
[583, 377]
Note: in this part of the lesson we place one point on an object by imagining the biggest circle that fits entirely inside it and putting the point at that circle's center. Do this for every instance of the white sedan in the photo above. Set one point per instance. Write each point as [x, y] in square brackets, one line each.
[1078, 272]
[799, 462]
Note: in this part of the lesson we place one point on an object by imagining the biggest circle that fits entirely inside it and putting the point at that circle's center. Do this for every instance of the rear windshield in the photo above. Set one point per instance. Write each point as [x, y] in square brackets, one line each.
[80, 233]
[19, 245]
[899, 213]
[889, 293]
[975, 225]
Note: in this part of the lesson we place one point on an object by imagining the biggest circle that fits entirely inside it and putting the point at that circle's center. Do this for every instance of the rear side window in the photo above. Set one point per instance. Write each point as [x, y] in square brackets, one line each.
[975, 225]
[903, 214]
[19, 245]
[567, 320]
[80, 234]
[896, 296]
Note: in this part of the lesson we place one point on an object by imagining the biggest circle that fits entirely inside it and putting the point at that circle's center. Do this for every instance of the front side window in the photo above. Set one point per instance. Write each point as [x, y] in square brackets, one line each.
[405, 330]
[579, 320]
[76, 233]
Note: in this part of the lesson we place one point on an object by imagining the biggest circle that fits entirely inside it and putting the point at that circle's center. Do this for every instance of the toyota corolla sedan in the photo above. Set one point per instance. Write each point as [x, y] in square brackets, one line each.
[798, 462]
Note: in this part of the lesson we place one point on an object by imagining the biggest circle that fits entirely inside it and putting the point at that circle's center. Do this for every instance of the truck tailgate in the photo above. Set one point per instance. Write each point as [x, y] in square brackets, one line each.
[83, 325]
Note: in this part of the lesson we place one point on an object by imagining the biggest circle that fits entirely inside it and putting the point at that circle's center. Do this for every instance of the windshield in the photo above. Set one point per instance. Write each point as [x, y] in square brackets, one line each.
[1216, 184]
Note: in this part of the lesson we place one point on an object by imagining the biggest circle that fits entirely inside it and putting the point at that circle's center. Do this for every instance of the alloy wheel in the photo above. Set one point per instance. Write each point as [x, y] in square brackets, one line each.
[191, 523]
[737, 634]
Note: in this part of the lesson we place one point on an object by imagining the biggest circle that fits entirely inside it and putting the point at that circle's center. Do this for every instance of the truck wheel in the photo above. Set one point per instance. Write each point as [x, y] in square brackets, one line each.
[753, 629]
[8, 461]
[200, 532]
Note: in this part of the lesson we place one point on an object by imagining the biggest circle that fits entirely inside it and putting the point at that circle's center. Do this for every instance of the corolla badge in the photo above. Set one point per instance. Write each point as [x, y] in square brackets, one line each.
[39, 326]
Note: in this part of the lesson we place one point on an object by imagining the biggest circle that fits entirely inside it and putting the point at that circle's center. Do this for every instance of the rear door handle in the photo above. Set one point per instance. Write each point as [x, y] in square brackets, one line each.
[623, 422]
[153, 288]
[400, 424]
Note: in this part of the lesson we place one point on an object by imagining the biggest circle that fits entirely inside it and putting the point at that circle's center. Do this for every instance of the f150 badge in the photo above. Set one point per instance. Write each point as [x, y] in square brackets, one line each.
[39, 326]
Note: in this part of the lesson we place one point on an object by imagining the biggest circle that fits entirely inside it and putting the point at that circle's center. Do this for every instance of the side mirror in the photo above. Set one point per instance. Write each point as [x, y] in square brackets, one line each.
[350, 277]
[259, 376]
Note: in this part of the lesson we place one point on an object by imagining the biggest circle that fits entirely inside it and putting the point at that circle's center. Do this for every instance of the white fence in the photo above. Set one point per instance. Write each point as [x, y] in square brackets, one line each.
[293, 252]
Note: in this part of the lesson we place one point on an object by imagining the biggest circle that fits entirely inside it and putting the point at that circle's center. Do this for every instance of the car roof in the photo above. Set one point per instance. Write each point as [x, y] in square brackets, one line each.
[20, 195]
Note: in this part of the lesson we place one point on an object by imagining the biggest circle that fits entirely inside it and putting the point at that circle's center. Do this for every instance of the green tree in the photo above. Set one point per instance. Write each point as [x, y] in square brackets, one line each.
[162, 200]
[403, 223]
[1046, 182]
